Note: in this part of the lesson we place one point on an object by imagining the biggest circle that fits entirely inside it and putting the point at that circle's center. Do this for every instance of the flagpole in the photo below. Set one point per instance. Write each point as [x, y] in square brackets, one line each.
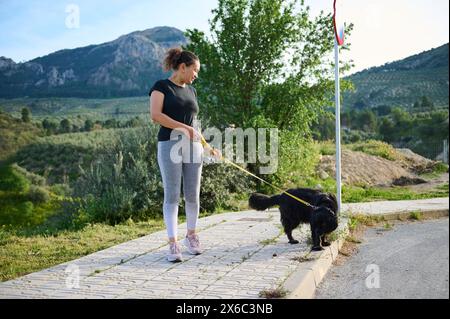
[338, 124]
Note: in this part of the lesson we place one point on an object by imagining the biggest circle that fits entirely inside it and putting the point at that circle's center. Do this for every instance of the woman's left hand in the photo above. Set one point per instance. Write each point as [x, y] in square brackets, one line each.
[215, 153]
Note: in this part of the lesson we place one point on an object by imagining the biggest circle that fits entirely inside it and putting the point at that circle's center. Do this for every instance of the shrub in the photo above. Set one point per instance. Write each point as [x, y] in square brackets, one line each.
[327, 148]
[298, 158]
[61, 189]
[12, 181]
[125, 181]
[14, 211]
[35, 179]
[219, 182]
[38, 194]
[440, 168]
[377, 148]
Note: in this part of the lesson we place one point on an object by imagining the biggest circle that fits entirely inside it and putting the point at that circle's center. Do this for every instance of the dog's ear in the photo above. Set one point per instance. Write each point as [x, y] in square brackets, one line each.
[331, 195]
[327, 218]
[323, 199]
[334, 200]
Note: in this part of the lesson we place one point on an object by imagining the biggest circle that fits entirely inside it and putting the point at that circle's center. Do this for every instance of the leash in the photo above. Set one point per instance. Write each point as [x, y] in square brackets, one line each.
[205, 144]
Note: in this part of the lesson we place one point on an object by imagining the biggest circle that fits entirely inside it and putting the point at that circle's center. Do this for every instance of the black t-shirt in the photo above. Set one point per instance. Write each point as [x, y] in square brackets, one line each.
[180, 104]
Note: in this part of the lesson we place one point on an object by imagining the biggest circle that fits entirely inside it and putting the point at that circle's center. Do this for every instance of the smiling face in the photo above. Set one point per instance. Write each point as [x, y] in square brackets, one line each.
[190, 72]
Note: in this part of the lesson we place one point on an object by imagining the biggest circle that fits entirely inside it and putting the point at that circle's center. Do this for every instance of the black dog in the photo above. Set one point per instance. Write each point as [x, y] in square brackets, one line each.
[322, 218]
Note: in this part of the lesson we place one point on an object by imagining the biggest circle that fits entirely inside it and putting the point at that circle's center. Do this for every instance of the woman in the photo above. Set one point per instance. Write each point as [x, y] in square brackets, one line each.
[173, 104]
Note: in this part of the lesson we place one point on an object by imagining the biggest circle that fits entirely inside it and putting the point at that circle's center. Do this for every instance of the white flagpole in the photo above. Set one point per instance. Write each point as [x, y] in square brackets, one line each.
[338, 124]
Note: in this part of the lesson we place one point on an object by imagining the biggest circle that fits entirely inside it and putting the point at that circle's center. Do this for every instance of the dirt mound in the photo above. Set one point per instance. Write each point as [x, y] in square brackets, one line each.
[363, 169]
[415, 162]
[405, 181]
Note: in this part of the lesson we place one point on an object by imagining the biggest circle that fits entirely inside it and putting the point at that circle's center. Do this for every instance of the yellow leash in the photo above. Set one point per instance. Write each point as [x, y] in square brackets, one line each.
[205, 144]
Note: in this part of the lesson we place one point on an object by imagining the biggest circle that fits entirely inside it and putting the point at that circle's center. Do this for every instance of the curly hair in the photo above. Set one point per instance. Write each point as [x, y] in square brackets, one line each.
[176, 56]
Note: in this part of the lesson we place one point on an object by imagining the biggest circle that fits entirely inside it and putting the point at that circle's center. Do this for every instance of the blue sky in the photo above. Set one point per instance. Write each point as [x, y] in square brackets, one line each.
[385, 30]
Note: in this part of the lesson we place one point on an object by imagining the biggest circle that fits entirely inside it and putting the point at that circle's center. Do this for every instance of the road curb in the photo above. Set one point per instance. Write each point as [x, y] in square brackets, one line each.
[405, 215]
[302, 283]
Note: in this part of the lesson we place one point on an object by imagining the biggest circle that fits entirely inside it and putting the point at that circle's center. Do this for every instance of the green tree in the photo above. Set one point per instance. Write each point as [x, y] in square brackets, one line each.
[387, 129]
[265, 58]
[45, 124]
[110, 123]
[383, 110]
[360, 104]
[134, 122]
[346, 119]
[88, 125]
[49, 126]
[325, 128]
[426, 102]
[65, 126]
[26, 115]
[367, 120]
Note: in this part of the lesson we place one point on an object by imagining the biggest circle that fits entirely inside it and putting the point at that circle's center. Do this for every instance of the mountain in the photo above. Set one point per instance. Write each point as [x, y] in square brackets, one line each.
[126, 66]
[403, 82]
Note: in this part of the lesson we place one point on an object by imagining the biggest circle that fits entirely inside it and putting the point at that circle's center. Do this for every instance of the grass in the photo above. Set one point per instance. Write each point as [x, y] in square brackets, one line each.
[245, 257]
[353, 239]
[387, 226]
[327, 147]
[359, 219]
[437, 170]
[273, 293]
[371, 147]
[360, 194]
[376, 148]
[22, 252]
[304, 258]
[353, 194]
[336, 234]
[269, 241]
[416, 215]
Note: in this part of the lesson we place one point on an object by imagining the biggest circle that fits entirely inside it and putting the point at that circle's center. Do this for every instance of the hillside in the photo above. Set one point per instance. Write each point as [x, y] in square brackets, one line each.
[15, 134]
[403, 82]
[124, 67]
[59, 108]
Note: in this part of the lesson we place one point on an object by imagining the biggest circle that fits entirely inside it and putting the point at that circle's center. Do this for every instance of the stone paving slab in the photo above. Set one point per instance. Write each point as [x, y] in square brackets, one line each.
[244, 254]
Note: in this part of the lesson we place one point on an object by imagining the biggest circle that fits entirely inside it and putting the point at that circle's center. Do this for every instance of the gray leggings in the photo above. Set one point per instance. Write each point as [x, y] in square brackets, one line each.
[177, 159]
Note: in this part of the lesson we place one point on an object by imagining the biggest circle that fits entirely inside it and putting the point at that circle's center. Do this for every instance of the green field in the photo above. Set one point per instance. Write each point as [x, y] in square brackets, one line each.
[78, 109]
[399, 88]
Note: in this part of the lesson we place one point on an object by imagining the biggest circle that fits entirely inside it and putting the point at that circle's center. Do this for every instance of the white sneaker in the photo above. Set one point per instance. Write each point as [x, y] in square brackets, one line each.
[174, 254]
[192, 244]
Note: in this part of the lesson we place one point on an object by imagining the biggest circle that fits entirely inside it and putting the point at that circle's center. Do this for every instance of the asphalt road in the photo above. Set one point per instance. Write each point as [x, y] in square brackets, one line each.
[410, 261]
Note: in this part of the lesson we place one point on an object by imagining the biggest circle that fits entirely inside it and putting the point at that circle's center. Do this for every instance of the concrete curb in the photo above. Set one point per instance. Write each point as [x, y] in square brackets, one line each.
[405, 215]
[302, 283]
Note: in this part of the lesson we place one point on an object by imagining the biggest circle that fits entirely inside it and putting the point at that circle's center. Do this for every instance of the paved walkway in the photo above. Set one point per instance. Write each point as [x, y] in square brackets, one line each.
[245, 253]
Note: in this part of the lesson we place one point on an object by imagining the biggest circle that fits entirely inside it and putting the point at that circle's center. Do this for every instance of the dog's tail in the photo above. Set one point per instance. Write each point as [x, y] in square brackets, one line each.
[261, 202]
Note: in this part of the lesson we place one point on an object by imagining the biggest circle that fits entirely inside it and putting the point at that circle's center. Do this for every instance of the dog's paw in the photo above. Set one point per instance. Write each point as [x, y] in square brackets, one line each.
[317, 248]
[325, 244]
[293, 242]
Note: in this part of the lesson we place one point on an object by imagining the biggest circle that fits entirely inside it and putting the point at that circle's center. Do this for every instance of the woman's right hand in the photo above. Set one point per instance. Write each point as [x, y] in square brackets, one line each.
[194, 134]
